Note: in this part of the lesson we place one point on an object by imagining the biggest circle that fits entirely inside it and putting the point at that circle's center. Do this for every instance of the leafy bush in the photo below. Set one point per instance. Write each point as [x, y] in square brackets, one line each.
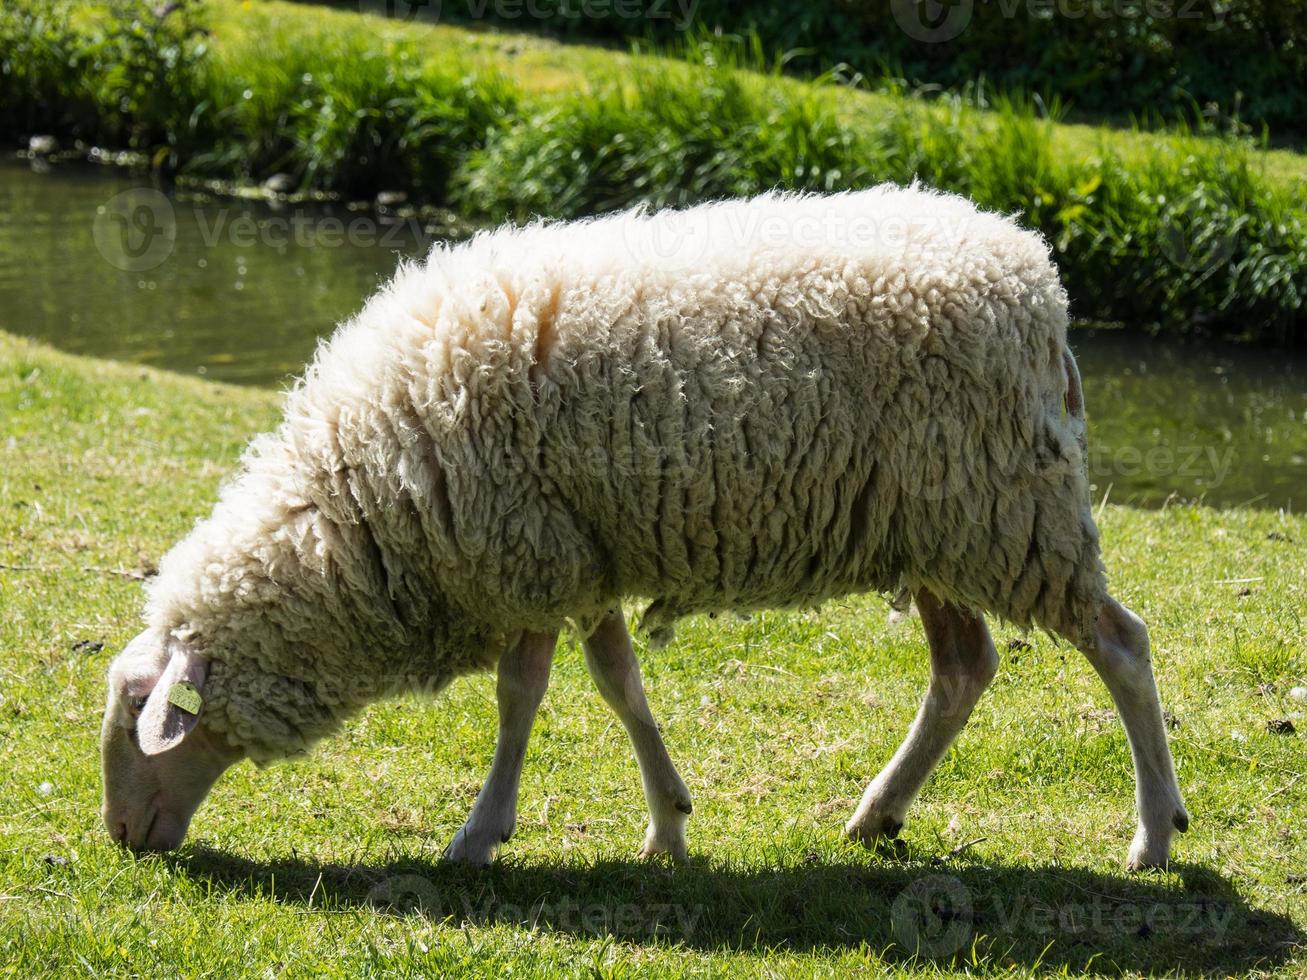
[42, 86]
[134, 81]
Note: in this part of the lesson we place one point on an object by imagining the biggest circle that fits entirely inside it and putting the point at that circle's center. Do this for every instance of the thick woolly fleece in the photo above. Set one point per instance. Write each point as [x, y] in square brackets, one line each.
[746, 404]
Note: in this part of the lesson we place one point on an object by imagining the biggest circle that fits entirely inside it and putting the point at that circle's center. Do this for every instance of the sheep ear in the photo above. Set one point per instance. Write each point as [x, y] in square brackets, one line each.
[174, 706]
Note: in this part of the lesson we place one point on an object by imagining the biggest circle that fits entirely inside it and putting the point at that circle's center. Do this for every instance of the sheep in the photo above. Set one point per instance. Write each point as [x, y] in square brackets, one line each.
[742, 405]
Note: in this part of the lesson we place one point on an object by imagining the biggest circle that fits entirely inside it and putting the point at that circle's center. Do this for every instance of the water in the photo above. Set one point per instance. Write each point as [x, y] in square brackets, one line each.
[1217, 422]
[241, 291]
[236, 291]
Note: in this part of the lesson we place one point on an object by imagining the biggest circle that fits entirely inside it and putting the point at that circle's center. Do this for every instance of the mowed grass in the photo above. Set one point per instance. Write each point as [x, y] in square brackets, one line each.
[330, 865]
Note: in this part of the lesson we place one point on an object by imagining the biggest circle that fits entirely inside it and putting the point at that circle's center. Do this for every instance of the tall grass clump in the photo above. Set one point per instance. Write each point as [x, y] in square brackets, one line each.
[1186, 236]
[351, 113]
[1190, 237]
[669, 133]
[1181, 232]
[337, 110]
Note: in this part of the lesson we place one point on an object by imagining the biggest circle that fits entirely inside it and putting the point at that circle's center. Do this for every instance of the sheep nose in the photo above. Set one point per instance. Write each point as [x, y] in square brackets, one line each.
[117, 828]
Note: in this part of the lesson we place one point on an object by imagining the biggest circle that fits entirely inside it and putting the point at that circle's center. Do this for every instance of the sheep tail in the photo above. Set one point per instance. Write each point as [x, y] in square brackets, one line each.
[1075, 395]
[1075, 402]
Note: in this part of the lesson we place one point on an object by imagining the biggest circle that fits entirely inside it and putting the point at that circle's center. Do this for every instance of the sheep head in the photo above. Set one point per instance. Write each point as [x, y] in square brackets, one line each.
[159, 759]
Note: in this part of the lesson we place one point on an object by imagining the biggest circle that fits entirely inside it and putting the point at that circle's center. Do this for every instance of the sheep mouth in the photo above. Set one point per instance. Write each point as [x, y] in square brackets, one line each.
[155, 836]
[149, 829]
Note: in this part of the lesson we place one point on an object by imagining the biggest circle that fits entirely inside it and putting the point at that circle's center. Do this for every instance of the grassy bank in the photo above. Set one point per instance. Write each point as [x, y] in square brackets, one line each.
[1189, 231]
[776, 723]
[1244, 60]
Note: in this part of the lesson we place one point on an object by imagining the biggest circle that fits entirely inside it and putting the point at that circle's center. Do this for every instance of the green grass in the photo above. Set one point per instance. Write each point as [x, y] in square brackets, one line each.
[776, 724]
[1183, 229]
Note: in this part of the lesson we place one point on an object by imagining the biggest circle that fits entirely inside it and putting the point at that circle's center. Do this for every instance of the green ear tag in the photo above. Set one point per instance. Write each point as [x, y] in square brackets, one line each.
[185, 696]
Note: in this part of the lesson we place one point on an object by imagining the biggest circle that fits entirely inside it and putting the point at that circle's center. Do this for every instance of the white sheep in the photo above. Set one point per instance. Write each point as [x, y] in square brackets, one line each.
[742, 405]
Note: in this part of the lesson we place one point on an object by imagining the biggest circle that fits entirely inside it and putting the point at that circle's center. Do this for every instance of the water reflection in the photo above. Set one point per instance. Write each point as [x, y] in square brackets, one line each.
[1220, 422]
[238, 291]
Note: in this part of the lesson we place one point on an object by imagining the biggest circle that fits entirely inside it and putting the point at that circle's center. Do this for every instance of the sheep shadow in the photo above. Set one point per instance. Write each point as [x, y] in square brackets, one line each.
[1046, 918]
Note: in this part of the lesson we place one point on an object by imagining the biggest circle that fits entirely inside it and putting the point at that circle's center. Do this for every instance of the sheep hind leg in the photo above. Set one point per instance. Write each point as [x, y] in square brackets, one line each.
[963, 662]
[616, 672]
[1119, 652]
[523, 676]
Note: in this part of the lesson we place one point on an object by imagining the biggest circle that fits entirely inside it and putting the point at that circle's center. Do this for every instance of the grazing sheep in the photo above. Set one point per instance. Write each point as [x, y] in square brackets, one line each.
[746, 404]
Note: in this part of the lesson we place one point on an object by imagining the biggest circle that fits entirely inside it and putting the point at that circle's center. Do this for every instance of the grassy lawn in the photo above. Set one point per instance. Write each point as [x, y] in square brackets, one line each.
[776, 723]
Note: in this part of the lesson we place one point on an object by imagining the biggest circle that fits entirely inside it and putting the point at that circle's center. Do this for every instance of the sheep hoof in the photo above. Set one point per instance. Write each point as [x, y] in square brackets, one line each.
[873, 831]
[467, 857]
[1149, 852]
[1180, 820]
[677, 855]
[474, 848]
[1135, 865]
[671, 845]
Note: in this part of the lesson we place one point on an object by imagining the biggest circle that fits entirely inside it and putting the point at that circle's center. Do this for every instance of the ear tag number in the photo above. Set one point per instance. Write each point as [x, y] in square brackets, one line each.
[185, 696]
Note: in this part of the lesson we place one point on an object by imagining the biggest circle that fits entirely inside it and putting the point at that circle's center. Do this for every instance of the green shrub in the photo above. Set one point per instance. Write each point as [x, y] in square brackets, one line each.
[43, 86]
[134, 81]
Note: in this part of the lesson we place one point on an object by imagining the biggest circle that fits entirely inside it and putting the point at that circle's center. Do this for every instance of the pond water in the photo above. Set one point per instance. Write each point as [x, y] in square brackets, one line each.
[96, 263]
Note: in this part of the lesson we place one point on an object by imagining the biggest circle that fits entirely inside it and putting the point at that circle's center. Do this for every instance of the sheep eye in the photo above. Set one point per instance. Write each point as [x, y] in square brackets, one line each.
[138, 703]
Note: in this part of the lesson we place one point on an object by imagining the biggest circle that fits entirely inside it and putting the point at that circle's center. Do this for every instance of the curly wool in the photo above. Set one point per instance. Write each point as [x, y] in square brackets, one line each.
[745, 404]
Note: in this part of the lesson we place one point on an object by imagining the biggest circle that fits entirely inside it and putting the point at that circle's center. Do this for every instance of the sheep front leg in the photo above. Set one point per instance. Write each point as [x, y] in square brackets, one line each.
[616, 672]
[522, 680]
[1119, 652]
[963, 661]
